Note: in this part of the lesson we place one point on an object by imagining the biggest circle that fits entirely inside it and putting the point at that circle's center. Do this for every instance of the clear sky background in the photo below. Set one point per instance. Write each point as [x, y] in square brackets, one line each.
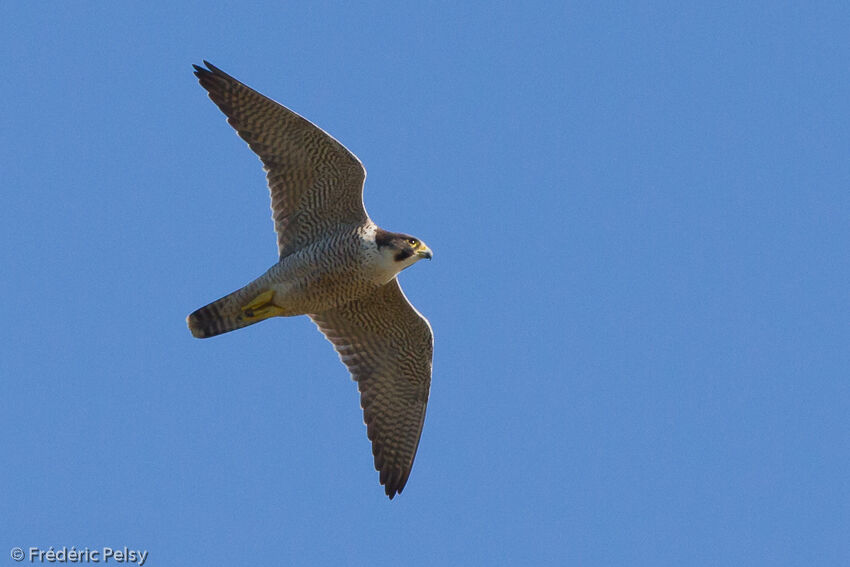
[640, 215]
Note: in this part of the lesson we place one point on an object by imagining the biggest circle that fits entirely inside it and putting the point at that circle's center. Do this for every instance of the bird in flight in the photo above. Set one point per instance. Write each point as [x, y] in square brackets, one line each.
[336, 266]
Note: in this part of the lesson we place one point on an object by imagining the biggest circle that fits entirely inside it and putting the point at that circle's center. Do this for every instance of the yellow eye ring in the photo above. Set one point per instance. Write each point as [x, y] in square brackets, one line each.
[412, 241]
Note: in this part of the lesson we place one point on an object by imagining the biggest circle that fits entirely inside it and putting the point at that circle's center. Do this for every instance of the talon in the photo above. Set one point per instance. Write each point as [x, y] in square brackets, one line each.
[261, 307]
[260, 301]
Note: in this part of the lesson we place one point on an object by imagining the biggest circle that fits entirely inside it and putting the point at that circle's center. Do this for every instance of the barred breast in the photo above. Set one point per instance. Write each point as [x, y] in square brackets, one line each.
[325, 274]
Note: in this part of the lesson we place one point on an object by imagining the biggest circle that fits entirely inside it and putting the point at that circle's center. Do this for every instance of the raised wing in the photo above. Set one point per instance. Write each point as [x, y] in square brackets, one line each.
[387, 346]
[315, 182]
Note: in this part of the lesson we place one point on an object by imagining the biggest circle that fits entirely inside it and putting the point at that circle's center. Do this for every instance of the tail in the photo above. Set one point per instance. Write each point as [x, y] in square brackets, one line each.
[223, 315]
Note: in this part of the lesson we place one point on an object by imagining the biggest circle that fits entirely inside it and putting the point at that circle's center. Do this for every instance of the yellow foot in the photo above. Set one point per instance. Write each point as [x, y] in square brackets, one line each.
[261, 307]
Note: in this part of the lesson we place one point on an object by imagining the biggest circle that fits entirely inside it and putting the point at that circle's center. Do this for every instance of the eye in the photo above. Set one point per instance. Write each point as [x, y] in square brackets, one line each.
[412, 241]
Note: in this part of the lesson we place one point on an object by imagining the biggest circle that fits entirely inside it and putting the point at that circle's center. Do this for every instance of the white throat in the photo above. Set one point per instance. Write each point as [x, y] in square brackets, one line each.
[380, 262]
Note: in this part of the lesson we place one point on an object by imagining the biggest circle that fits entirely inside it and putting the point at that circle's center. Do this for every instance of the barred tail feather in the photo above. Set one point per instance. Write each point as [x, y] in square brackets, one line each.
[221, 316]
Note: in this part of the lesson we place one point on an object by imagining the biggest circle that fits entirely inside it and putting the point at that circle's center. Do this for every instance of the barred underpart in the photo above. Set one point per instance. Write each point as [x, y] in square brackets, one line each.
[335, 265]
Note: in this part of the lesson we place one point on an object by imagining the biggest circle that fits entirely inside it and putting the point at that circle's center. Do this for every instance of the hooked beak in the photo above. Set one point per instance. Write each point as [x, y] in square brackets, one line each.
[424, 252]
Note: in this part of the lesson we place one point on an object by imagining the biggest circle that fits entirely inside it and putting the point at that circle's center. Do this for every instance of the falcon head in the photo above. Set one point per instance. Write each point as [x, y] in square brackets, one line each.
[401, 249]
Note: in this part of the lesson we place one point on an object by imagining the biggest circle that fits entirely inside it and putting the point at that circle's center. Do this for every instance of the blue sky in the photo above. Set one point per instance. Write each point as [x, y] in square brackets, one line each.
[641, 224]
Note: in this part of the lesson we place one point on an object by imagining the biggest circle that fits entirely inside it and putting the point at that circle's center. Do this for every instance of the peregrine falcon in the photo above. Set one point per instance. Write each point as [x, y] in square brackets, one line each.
[336, 266]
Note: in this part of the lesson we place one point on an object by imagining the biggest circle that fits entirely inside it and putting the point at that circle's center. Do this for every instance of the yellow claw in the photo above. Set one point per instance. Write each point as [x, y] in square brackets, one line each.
[261, 307]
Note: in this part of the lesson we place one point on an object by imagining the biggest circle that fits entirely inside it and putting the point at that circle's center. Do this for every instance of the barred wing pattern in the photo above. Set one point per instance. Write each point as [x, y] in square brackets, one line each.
[388, 347]
[315, 182]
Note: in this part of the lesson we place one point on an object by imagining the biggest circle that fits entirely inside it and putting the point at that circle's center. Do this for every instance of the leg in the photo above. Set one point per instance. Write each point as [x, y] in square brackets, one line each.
[261, 307]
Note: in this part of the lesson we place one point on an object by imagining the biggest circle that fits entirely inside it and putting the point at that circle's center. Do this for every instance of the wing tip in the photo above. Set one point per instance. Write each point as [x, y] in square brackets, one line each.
[392, 491]
[207, 76]
[201, 72]
[394, 481]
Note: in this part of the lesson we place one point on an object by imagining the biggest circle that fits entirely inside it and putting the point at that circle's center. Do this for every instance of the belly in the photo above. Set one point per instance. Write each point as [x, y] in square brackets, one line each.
[303, 286]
